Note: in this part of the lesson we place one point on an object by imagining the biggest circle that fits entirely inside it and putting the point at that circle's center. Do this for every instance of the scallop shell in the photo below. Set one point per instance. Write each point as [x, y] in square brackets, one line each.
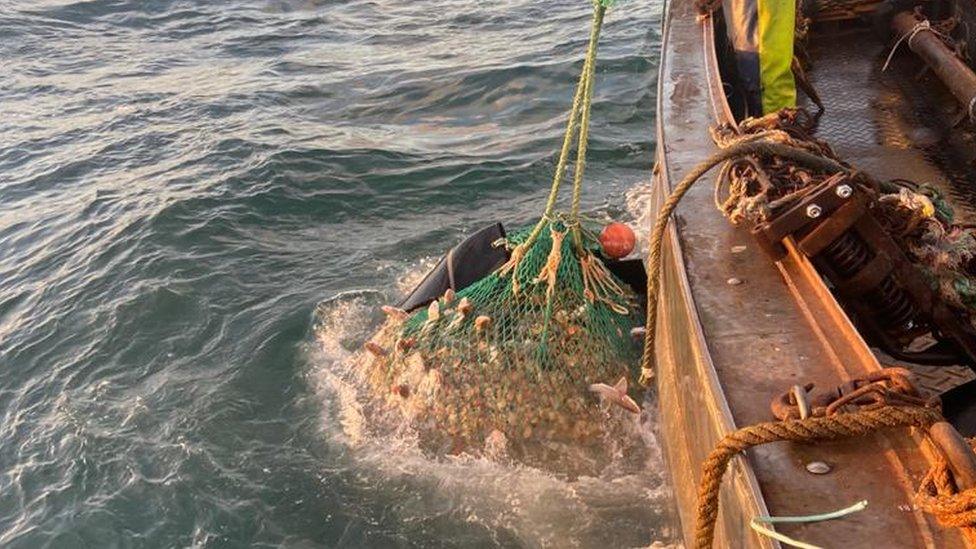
[394, 312]
[375, 349]
[818, 467]
[433, 311]
[406, 343]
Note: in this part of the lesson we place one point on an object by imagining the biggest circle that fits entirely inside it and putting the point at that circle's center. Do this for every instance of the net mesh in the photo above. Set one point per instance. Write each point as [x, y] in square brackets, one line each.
[514, 354]
[521, 359]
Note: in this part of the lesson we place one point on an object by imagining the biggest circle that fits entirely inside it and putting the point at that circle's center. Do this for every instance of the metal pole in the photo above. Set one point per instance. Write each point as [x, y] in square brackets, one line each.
[954, 73]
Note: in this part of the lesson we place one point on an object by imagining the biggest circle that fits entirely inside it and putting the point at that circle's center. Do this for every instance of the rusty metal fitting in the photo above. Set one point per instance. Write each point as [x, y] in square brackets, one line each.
[835, 225]
[802, 402]
[889, 386]
[785, 405]
[868, 396]
[958, 453]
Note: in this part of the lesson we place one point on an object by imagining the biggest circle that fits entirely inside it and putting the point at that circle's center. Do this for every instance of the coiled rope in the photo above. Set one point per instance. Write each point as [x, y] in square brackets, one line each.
[816, 429]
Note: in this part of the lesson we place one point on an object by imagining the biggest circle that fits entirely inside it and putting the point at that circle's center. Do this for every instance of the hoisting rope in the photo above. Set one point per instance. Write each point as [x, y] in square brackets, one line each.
[579, 114]
[747, 147]
[812, 429]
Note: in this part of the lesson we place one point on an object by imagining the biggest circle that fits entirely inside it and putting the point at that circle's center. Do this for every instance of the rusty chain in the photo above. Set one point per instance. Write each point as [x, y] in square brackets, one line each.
[889, 386]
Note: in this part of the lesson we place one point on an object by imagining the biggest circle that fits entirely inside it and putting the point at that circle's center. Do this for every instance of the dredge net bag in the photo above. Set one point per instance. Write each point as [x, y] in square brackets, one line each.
[530, 359]
[513, 355]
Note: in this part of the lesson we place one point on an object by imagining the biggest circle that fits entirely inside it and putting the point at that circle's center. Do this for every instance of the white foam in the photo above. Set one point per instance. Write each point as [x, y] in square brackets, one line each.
[637, 200]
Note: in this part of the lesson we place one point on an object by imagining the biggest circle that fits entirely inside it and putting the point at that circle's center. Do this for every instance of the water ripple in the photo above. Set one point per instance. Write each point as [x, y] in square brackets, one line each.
[181, 182]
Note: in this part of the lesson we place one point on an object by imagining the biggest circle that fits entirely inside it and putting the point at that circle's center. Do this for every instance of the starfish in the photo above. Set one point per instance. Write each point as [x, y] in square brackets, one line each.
[616, 394]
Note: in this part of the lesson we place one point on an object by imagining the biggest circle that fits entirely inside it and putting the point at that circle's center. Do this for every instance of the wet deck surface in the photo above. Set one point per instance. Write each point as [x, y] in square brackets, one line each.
[759, 342]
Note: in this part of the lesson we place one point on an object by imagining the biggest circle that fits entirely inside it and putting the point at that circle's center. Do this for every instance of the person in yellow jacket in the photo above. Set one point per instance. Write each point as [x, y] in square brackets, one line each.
[761, 33]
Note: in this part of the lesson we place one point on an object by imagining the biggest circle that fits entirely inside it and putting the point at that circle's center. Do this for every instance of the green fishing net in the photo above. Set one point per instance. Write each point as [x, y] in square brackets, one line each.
[517, 351]
[512, 360]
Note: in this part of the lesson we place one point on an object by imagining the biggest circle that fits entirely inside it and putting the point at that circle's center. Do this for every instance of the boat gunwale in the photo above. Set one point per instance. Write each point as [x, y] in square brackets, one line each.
[723, 421]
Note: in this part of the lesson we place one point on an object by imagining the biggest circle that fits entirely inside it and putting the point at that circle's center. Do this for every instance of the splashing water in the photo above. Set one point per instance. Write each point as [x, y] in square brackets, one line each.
[627, 504]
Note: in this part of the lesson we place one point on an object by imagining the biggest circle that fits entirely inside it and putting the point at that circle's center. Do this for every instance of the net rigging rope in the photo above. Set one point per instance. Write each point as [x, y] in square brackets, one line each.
[581, 102]
[516, 353]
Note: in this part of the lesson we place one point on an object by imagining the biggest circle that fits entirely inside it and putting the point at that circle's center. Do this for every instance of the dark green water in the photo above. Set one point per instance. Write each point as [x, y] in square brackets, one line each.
[200, 205]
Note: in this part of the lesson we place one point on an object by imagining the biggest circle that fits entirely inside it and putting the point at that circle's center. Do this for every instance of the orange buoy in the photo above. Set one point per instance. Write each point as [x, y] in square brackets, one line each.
[617, 240]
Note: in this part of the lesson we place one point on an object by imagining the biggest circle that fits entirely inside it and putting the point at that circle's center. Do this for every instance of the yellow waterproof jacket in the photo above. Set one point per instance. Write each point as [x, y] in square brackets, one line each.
[761, 33]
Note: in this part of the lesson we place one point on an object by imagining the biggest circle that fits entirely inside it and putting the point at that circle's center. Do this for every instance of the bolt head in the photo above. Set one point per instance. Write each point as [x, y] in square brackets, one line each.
[814, 211]
[844, 191]
[818, 467]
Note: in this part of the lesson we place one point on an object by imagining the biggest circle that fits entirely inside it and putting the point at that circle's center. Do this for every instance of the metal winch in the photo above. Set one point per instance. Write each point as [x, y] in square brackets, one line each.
[836, 227]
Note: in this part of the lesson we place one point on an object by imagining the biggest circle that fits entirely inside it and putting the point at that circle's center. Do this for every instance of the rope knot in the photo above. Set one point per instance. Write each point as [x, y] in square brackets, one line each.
[938, 496]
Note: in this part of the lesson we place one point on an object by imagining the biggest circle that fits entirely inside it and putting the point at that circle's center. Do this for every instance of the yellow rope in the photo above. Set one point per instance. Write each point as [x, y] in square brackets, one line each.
[938, 495]
[580, 113]
[581, 101]
[813, 429]
[549, 271]
[584, 131]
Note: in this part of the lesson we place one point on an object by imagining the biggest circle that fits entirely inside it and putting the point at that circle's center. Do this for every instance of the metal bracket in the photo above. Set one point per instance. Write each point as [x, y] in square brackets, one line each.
[835, 226]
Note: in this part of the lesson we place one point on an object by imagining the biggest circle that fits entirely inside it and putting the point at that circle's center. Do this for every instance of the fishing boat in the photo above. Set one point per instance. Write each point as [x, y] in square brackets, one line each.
[811, 348]
[739, 330]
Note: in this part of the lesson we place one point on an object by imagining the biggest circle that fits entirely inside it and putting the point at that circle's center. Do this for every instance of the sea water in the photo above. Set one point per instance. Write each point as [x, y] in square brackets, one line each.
[202, 204]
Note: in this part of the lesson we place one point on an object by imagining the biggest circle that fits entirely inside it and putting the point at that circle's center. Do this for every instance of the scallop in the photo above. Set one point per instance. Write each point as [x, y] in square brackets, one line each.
[375, 349]
[818, 467]
[464, 306]
[433, 311]
[482, 322]
[394, 312]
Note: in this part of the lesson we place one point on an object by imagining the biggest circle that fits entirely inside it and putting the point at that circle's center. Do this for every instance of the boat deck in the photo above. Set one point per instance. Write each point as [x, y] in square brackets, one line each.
[725, 349]
[894, 124]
